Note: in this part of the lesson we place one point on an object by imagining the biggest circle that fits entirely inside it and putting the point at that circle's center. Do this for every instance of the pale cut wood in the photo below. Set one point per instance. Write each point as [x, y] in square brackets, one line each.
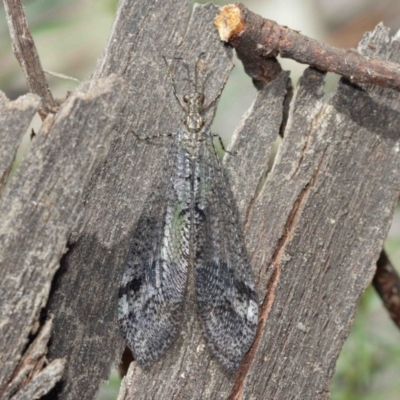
[15, 117]
[38, 209]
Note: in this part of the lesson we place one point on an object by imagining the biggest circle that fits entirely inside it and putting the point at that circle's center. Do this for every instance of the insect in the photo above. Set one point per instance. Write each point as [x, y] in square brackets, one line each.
[188, 246]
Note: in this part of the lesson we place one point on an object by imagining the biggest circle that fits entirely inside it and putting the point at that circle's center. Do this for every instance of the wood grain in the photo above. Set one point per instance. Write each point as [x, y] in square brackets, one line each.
[15, 117]
[84, 299]
[40, 205]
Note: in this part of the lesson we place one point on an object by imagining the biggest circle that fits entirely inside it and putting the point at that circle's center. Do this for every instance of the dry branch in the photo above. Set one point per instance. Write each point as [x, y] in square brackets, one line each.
[259, 40]
[27, 55]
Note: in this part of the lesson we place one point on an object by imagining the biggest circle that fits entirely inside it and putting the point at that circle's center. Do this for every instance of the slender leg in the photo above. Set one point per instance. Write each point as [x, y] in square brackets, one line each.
[222, 145]
[149, 137]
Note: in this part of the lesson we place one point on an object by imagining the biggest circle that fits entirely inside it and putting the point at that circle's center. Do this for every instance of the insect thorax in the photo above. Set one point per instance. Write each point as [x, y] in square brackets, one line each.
[194, 122]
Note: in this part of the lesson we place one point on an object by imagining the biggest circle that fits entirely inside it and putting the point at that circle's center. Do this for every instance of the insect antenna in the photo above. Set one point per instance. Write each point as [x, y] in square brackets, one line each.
[207, 106]
[173, 82]
[186, 65]
[196, 74]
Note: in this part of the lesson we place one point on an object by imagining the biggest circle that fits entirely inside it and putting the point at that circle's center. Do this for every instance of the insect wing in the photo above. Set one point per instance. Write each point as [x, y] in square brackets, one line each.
[226, 296]
[153, 286]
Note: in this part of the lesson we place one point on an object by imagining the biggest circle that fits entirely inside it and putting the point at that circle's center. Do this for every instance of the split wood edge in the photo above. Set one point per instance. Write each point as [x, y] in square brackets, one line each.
[258, 41]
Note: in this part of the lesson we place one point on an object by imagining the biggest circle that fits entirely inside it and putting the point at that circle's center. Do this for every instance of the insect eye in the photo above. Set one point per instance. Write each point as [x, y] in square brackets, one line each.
[185, 98]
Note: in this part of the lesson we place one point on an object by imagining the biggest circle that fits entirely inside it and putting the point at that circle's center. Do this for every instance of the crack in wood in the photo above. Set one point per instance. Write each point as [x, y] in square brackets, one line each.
[291, 222]
[317, 119]
[239, 384]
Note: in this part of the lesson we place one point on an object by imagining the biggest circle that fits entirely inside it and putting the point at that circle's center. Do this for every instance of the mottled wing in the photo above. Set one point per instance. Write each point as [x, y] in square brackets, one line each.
[226, 296]
[153, 287]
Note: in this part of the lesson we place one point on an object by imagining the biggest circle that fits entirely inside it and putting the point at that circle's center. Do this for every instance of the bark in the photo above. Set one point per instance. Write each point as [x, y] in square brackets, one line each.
[84, 299]
[15, 117]
[317, 228]
[34, 376]
[38, 209]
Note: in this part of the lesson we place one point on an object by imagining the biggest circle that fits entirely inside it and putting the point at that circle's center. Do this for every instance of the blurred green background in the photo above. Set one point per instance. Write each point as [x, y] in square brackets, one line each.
[70, 36]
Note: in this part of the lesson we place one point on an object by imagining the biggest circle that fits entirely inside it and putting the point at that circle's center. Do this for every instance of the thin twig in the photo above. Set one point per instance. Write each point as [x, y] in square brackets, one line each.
[387, 283]
[258, 41]
[25, 51]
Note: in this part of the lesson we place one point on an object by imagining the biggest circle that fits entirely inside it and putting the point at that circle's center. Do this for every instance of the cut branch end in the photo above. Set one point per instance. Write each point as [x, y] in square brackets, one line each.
[229, 22]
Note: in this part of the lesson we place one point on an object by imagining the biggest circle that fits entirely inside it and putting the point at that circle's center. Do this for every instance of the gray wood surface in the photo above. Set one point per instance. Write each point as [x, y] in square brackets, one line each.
[15, 117]
[314, 230]
[319, 224]
[33, 377]
[84, 302]
[38, 209]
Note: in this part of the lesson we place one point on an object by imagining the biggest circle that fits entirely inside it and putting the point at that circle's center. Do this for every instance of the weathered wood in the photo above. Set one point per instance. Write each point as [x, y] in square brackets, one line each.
[15, 117]
[314, 228]
[295, 224]
[252, 143]
[190, 372]
[38, 209]
[42, 382]
[84, 300]
[314, 231]
[318, 227]
[32, 377]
